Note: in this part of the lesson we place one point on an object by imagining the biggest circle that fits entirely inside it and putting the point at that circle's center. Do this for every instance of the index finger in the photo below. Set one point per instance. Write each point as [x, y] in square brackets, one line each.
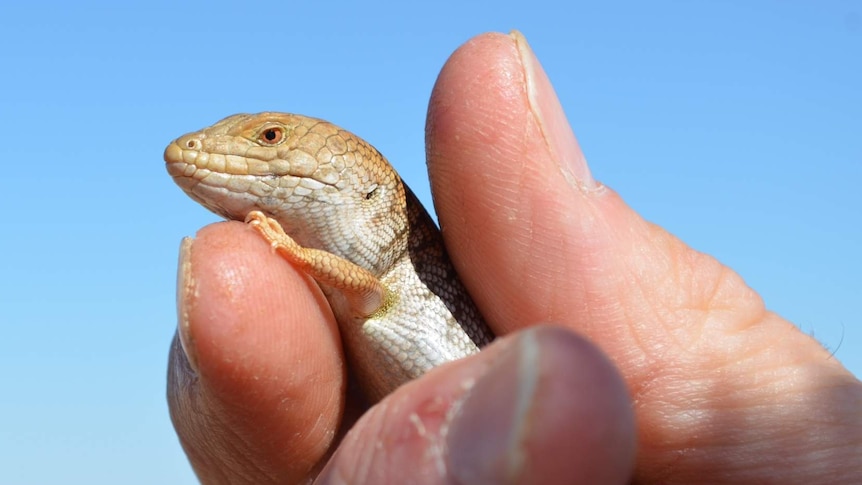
[258, 388]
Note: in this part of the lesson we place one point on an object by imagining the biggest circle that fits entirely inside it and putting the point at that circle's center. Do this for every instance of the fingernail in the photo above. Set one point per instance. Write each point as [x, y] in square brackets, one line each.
[552, 121]
[186, 289]
[486, 435]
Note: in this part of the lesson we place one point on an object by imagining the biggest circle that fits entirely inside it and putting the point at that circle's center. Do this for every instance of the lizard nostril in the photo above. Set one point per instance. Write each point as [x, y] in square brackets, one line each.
[193, 144]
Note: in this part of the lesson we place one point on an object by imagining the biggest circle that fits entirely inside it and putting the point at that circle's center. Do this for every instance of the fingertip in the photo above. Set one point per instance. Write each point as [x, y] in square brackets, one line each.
[185, 295]
[509, 183]
[552, 409]
[250, 307]
[546, 110]
[542, 406]
[266, 360]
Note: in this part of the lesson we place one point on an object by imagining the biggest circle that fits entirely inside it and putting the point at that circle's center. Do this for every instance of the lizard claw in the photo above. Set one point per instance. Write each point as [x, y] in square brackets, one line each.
[255, 218]
[271, 231]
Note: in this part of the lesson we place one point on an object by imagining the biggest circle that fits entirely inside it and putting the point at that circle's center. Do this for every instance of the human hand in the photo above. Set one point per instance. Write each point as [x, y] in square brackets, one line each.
[722, 390]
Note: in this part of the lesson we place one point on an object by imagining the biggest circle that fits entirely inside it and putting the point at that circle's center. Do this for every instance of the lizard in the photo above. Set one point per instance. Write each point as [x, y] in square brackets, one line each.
[330, 204]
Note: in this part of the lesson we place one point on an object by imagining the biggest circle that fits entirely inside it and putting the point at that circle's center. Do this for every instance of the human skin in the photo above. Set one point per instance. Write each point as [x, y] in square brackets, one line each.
[660, 366]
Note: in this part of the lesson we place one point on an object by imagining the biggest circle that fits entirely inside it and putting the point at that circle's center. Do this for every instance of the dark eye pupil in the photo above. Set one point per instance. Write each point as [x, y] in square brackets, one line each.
[270, 135]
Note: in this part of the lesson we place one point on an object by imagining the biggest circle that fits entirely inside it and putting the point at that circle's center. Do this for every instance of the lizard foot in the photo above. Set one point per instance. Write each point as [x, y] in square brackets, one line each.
[271, 231]
[366, 293]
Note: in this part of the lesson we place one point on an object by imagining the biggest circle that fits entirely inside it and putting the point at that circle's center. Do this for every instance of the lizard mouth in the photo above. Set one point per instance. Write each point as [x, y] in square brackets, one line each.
[186, 158]
[229, 190]
[232, 196]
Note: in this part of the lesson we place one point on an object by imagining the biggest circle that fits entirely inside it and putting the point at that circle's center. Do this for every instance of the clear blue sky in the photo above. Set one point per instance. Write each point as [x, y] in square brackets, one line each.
[737, 125]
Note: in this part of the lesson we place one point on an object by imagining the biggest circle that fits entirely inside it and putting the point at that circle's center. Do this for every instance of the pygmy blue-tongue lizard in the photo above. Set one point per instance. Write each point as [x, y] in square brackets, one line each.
[332, 205]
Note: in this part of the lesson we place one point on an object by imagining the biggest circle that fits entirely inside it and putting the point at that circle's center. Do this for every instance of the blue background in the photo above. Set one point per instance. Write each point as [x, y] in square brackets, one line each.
[734, 124]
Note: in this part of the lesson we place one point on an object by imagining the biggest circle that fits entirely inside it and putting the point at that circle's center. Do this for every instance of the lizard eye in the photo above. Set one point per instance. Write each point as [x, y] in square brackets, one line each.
[271, 136]
[371, 193]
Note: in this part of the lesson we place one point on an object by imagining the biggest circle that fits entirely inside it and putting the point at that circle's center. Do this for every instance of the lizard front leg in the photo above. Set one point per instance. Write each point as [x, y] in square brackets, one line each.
[366, 294]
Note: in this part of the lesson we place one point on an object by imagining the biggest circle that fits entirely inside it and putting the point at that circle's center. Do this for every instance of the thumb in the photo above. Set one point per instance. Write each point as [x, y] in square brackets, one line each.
[541, 406]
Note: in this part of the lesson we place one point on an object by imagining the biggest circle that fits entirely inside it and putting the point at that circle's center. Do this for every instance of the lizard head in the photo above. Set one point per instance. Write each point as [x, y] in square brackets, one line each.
[328, 188]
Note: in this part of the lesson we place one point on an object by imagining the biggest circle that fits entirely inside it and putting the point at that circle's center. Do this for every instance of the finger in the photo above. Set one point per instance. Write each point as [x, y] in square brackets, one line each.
[504, 187]
[256, 380]
[496, 418]
[535, 238]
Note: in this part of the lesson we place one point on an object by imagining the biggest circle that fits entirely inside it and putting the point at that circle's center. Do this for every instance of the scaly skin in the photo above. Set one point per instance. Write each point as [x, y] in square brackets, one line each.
[334, 207]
